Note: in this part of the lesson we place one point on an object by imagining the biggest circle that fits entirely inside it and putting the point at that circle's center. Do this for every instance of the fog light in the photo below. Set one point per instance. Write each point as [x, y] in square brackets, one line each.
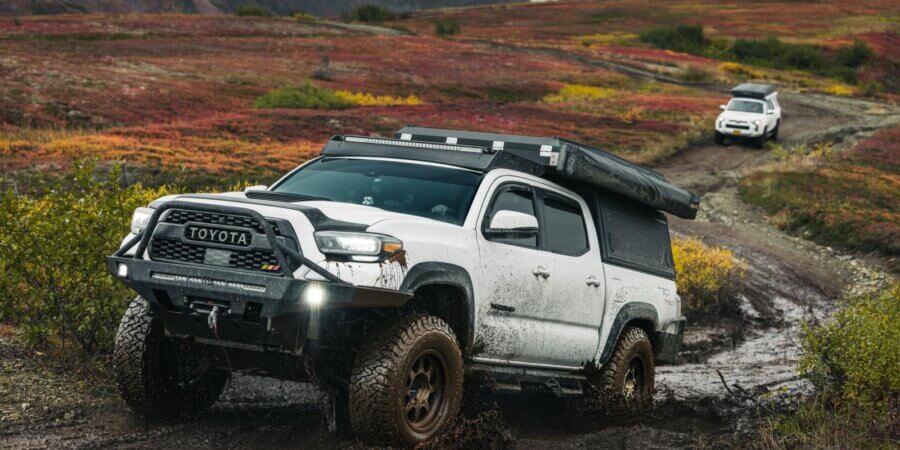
[315, 295]
[122, 271]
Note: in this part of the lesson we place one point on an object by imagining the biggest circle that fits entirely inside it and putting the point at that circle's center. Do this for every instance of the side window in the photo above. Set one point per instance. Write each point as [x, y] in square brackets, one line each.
[516, 198]
[564, 228]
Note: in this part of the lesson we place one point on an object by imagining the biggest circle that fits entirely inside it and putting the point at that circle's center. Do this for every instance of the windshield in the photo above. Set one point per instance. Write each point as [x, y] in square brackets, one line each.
[749, 106]
[439, 193]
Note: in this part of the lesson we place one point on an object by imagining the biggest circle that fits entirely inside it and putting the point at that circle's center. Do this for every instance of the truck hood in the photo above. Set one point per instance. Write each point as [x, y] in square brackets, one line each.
[337, 211]
[742, 116]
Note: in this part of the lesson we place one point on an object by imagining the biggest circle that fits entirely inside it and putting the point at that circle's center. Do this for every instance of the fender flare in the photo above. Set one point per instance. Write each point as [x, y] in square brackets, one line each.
[427, 273]
[630, 312]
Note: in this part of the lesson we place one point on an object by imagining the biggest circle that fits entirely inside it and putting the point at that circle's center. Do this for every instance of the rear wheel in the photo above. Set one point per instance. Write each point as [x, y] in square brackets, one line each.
[630, 371]
[406, 385]
[160, 377]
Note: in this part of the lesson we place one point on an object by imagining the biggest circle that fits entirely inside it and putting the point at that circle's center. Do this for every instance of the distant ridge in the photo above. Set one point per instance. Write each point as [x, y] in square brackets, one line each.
[282, 7]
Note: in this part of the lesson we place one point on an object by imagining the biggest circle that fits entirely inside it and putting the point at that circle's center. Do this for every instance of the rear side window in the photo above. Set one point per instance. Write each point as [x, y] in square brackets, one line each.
[564, 227]
[634, 235]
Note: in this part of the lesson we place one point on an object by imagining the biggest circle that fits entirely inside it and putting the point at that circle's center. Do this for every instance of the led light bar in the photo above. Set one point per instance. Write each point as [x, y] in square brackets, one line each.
[414, 144]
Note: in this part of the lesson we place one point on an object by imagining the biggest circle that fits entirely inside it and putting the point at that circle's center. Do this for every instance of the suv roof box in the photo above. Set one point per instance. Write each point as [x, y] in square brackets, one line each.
[752, 90]
[572, 160]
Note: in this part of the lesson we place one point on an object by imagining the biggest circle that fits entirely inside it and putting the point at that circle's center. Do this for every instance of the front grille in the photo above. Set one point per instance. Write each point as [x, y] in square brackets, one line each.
[175, 250]
[737, 127]
[182, 216]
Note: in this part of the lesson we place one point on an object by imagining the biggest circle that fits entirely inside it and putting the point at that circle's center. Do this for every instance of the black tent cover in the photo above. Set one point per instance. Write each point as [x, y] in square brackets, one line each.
[574, 161]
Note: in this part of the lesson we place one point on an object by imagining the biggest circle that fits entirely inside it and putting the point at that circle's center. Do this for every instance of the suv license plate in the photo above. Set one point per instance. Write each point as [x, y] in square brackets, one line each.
[736, 133]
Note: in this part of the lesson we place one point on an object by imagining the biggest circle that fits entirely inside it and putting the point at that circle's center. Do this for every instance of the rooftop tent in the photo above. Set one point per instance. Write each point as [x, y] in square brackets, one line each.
[565, 158]
[752, 90]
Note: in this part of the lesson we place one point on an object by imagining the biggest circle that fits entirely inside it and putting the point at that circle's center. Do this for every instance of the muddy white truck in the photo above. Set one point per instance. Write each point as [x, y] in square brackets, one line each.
[387, 270]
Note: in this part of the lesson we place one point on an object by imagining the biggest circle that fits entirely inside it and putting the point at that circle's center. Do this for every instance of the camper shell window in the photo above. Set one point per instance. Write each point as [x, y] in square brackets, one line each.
[633, 235]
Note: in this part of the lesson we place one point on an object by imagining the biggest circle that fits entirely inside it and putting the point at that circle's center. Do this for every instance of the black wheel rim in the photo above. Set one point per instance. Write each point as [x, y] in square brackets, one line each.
[633, 385]
[424, 396]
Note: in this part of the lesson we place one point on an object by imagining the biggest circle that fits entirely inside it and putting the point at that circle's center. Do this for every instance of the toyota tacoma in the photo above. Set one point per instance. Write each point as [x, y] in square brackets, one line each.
[386, 270]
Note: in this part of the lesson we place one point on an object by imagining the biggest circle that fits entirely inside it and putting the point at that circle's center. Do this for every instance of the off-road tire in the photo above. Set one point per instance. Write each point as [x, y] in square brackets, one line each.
[775, 131]
[381, 378]
[719, 138]
[633, 344]
[157, 377]
[760, 142]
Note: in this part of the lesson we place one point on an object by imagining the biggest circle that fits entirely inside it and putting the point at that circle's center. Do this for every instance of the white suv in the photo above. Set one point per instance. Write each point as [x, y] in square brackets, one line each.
[752, 113]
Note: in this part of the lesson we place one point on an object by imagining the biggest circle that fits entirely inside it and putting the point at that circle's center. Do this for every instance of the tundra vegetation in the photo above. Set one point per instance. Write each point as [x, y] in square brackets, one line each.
[853, 362]
[847, 199]
[708, 279]
[52, 267]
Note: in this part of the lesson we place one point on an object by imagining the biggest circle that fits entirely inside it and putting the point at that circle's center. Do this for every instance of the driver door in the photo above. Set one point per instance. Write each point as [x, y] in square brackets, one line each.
[510, 326]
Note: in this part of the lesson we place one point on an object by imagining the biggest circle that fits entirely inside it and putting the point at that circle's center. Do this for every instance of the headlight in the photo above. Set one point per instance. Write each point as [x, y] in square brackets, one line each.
[756, 123]
[140, 218]
[358, 246]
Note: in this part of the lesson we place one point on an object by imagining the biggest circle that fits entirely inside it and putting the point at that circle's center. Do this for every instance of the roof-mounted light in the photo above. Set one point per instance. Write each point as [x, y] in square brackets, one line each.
[414, 144]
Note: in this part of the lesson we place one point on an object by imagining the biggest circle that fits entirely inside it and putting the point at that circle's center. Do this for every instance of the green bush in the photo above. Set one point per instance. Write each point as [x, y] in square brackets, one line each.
[853, 362]
[252, 10]
[446, 27]
[769, 52]
[853, 55]
[303, 96]
[371, 14]
[53, 281]
[682, 38]
[855, 355]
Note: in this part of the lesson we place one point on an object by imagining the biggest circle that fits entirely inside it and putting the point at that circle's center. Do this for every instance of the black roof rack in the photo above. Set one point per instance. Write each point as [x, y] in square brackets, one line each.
[535, 155]
[752, 90]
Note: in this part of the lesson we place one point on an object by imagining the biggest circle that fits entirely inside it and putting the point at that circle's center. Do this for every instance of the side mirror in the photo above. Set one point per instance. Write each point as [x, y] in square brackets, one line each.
[722, 107]
[506, 222]
[258, 187]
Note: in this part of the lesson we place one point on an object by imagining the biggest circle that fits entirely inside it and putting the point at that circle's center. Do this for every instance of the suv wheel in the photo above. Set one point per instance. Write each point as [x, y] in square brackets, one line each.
[760, 142]
[719, 138]
[406, 384]
[160, 377]
[630, 371]
[775, 131]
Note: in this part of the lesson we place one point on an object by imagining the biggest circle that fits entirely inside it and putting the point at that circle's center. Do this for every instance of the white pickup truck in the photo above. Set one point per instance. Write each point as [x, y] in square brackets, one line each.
[753, 113]
[385, 269]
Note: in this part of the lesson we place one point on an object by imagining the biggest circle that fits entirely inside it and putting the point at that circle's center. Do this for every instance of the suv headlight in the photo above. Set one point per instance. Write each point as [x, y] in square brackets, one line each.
[756, 124]
[366, 247]
[140, 218]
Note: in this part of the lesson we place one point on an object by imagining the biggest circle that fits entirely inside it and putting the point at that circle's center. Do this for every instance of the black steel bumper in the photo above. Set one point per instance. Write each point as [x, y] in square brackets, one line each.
[668, 342]
[255, 311]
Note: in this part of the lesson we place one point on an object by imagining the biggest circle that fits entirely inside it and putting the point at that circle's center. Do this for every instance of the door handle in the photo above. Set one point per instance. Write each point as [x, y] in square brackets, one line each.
[592, 281]
[500, 307]
[540, 271]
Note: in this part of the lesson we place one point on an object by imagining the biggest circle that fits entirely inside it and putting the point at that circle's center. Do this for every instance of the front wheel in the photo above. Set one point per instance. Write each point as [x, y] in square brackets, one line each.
[775, 131]
[159, 377]
[406, 384]
[720, 138]
[760, 142]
